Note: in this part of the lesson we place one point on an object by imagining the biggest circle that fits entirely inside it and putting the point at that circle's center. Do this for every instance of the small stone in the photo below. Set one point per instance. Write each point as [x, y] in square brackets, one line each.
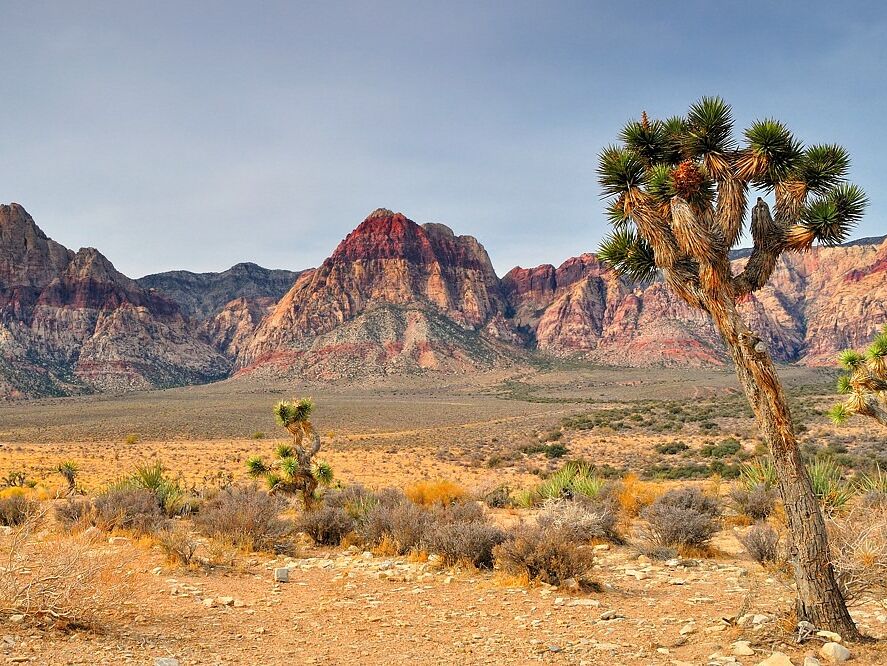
[226, 601]
[166, 661]
[554, 648]
[259, 630]
[239, 603]
[715, 629]
[761, 619]
[367, 555]
[812, 661]
[830, 636]
[609, 615]
[282, 574]
[835, 653]
[209, 602]
[594, 603]
[776, 659]
[742, 649]
[688, 629]
[17, 618]
[602, 546]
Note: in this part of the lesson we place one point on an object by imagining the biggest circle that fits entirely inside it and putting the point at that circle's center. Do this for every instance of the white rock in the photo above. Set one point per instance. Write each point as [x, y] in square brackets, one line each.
[166, 661]
[835, 653]
[209, 602]
[688, 629]
[226, 601]
[17, 618]
[776, 659]
[830, 636]
[282, 574]
[812, 661]
[742, 649]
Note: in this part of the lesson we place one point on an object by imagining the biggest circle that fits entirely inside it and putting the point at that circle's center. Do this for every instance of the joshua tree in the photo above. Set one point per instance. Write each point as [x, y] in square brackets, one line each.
[865, 383]
[677, 192]
[68, 469]
[295, 470]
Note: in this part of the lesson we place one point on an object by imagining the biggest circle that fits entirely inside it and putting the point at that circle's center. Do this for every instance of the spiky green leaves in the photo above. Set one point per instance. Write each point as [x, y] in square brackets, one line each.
[866, 382]
[256, 467]
[653, 141]
[288, 412]
[322, 471]
[708, 134]
[772, 153]
[832, 216]
[619, 171]
[823, 167]
[629, 255]
[851, 359]
[839, 414]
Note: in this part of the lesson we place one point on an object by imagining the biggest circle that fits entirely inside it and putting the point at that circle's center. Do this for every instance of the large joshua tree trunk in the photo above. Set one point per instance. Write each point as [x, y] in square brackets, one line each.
[819, 598]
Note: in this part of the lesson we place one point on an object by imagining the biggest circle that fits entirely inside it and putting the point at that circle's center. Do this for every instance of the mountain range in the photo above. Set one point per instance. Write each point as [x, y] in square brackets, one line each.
[394, 297]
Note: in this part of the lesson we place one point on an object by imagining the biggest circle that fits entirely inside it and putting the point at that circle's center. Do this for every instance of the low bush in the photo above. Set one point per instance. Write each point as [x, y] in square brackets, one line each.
[634, 495]
[125, 508]
[723, 449]
[671, 448]
[756, 503]
[16, 509]
[573, 479]
[762, 543]
[396, 521]
[858, 551]
[327, 525]
[683, 517]
[75, 512]
[178, 544]
[498, 497]
[428, 493]
[544, 554]
[581, 522]
[464, 542]
[246, 517]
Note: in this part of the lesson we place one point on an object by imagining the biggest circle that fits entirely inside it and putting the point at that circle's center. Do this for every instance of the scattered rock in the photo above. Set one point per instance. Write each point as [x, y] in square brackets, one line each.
[166, 661]
[17, 618]
[830, 636]
[282, 574]
[687, 629]
[209, 602]
[812, 661]
[609, 615]
[742, 649]
[226, 601]
[835, 653]
[776, 659]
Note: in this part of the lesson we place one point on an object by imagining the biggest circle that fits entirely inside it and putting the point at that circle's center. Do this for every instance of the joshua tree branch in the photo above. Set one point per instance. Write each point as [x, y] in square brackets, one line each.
[769, 244]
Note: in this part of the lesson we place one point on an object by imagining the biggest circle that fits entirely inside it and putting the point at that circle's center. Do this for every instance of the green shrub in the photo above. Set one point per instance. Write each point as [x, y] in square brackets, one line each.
[247, 518]
[544, 554]
[682, 517]
[15, 510]
[671, 448]
[464, 542]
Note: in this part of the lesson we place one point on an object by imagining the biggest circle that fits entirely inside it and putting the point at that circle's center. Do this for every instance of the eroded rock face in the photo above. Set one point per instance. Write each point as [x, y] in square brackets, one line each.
[71, 322]
[400, 296]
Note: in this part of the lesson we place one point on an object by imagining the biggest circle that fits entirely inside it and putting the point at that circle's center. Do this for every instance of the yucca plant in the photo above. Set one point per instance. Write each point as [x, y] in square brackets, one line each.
[864, 382]
[758, 472]
[572, 479]
[829, 486]
[294, 469]
[69, 470]
[676, 193]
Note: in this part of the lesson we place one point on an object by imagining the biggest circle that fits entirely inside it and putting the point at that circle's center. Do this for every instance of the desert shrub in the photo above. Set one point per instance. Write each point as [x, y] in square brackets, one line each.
[684, 517]
[876, 482]
[63, 582]
[858, 551]
[464, 542]
[757, 503]
[126, 508]
[326, 525]
[246, 517]
[169, 493]
[671, 448]
[758, 472]
[354, 499]
[762, 543]
[178, 544]
[395, 520]
[723, 449]
[427, 493]
[633, 494]
[556, 450]
[258, 435]
[581, 522]
[75, 512]
[132, 438]
[16, 509]
[544, 554]
[498, 497]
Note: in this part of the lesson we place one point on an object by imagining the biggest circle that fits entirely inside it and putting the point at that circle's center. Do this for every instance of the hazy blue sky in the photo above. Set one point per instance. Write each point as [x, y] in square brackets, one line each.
[199, 134]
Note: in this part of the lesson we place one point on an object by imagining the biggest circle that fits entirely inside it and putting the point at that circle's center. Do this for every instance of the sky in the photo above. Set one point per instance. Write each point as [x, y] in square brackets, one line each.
[195, 135]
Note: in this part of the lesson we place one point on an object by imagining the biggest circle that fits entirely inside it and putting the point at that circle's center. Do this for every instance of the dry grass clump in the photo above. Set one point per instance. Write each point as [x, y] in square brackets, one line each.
[75, 513]
[682, 518]
[858, 545]
[396, 522]
[246, 517]
[16, 509]
[327, 525]
[66, 583]
[430, 493]
[544, 554]
[581, 521]
[762, 543]
[634, 495]
[178, 544]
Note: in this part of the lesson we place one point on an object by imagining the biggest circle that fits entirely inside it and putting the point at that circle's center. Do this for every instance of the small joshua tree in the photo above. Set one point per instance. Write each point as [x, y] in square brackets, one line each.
[864, 383]
[68, 469]
[294, 470]
[677, 196]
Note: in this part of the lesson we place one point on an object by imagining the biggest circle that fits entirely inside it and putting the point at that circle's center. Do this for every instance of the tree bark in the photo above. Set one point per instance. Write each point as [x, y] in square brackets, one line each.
[819, 598]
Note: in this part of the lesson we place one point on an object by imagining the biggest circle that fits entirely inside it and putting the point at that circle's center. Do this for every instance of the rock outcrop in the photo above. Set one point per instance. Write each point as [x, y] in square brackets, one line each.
[70, 322]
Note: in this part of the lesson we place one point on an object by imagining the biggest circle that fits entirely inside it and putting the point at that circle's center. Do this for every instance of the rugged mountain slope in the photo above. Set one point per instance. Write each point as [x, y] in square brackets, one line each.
[70, 321]
[204, 295]
[393, 297]
[816, 304]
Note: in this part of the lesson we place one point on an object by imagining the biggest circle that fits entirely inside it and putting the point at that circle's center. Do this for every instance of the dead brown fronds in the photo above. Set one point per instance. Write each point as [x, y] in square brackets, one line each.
[858, 545]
